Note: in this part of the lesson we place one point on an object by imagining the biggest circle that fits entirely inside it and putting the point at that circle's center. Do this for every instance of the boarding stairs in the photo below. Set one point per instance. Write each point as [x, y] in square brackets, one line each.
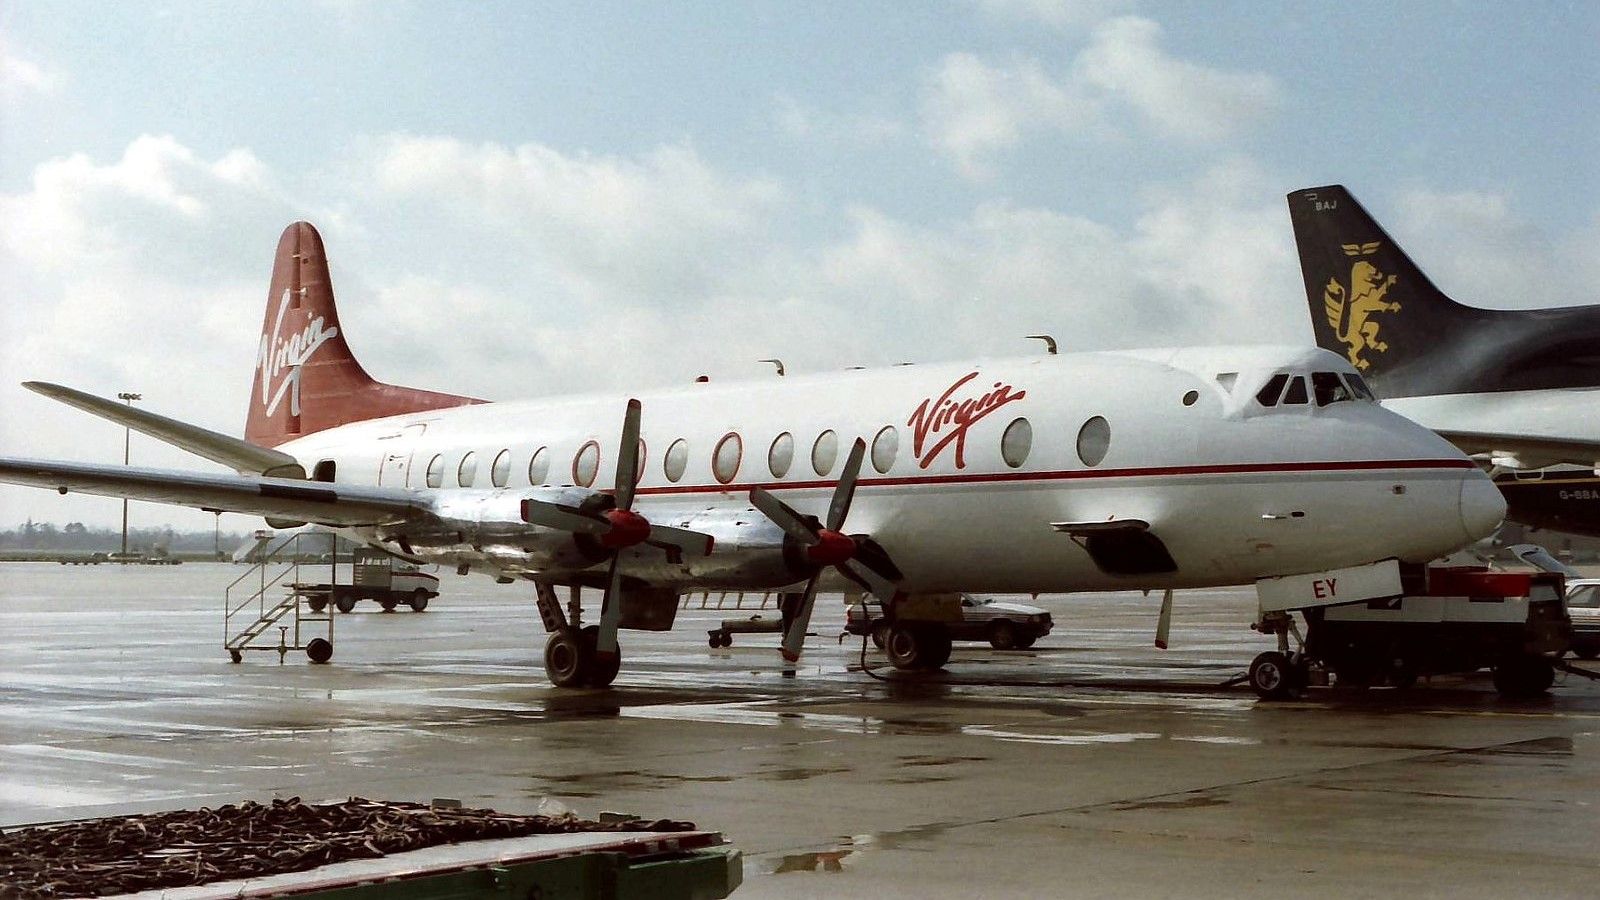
[267, 599]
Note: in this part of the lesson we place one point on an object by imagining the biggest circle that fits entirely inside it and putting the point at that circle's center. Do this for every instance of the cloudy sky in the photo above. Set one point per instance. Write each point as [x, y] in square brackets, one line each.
[525, 199]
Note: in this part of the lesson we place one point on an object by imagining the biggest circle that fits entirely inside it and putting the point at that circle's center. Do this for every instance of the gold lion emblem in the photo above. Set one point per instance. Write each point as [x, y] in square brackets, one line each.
[1350, 311]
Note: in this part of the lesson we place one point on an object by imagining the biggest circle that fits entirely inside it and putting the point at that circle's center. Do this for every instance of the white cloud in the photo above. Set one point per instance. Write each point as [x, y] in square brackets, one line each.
[803, 122]
[1180, 98]
[19, 76]
[1059, 14]
[1478, 249]
[972, 108]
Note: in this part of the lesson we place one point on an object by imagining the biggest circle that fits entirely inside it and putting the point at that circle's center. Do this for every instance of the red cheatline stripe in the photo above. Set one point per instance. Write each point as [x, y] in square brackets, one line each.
[1153, 472]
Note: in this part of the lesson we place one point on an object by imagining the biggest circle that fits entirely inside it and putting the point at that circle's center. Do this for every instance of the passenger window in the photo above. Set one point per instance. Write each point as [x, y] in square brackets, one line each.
[586, 464]
[539, 467]
[824, 453]
[781, 456]
[468, 470]
[676, 460]
[1268, 395]
[725, 461]
[1327, 388]
[1094, 440]
[436, 470]
[885, 447]
[1016, 442]
[1296, 394]
[500, 471]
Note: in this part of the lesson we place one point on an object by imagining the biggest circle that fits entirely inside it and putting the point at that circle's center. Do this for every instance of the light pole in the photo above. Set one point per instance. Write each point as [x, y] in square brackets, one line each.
[129, 397]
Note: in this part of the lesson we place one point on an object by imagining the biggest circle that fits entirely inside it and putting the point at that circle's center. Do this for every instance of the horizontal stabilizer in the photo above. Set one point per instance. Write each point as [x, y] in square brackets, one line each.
[276, 498]
[236, 454]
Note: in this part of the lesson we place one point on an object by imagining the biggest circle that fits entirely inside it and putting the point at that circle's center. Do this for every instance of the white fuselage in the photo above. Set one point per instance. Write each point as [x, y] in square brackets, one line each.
[1234, 490]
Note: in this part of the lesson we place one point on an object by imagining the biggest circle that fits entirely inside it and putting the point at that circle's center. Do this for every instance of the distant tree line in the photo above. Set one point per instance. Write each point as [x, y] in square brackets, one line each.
[33, 535]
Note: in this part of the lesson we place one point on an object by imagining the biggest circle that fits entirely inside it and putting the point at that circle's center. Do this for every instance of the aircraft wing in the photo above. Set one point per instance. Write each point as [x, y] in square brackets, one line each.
[288, 499]
[241, 456]
[1534, 450]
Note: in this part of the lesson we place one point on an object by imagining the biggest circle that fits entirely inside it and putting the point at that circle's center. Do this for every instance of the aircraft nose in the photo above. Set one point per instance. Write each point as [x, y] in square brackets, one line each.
[1483, 507]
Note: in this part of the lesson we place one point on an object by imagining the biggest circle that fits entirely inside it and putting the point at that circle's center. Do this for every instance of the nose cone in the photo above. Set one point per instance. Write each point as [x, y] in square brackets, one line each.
[1482, 506]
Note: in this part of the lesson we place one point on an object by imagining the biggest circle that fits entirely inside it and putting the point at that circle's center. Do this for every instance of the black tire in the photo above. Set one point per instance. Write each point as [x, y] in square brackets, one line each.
[715, 640]
[602, 670]
[344, 601]
[1586, 651]
[565, 662]
[940, 645]
[388, 604]
[1003, 636]
[319, 650]
[419, 600]
[1524, 676]
[907, 647]
[236, 656]
[316, 604]
[1272, 676]
[880, 634]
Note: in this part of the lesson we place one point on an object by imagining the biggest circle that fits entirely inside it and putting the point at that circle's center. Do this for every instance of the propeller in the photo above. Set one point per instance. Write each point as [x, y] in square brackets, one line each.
[1164, 623]
[617, 528]
[823, 545]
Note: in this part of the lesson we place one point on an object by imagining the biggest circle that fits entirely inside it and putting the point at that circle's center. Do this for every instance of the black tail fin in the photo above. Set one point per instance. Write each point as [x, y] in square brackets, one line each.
[1372, 304]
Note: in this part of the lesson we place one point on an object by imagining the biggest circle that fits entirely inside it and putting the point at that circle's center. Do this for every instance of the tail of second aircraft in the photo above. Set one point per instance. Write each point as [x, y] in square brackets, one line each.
[1372, 304]
[306, 378]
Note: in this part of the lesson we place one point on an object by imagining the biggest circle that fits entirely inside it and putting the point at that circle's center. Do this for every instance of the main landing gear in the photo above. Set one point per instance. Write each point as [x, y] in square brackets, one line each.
[570, 657]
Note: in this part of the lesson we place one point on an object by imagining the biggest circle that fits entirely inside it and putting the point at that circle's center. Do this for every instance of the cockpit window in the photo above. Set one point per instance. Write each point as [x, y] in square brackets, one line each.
[1328, 388]
[1268, 395]
[1296, 394]
[1358, 386]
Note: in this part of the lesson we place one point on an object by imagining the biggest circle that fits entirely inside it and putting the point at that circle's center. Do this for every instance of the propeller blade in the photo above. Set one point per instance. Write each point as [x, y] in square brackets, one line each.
[561, 518]
[610, 611]
[1164, 624]
[794, 639]
[628, 457]
[878, 586]
[681, 538]
[846, 490]
[872, 555]
[784, 517]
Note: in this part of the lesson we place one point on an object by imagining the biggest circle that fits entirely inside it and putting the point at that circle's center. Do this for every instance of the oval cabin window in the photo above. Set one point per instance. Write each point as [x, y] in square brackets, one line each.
[436, 470]
[468, 470]
[539, 467]
[781, 456]
[500, 471]
[725, 461]
[676, 460]
[1094, 441]
[884, 448]
[586, 464]
[1016, 442]
[824, 453]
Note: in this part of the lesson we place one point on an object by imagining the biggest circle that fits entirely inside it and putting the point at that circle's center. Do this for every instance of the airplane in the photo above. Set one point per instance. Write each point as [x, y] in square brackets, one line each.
[1154, 469]
[1518, 388]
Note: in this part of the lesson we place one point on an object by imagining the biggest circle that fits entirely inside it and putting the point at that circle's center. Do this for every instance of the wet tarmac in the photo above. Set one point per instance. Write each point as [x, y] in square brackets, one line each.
[1091, 765]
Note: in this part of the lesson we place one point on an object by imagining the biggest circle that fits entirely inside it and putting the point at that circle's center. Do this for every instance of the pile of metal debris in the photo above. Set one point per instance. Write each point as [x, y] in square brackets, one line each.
[101, 857]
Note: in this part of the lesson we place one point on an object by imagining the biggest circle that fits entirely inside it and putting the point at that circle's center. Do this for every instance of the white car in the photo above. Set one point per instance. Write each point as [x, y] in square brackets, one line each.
[1005, 625]
[1583, 606]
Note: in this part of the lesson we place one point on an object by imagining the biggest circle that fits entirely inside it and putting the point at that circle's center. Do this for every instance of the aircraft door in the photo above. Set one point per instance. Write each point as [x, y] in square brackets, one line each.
[395, 467]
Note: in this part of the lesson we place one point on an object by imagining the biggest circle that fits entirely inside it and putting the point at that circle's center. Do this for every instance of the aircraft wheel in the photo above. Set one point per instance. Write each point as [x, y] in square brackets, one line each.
[907, 647]
[601, 670]
[1272, 676]
[1003, 636]
[880, 635]
[419, 600]
[565, 662]
[319, 650]
[939, 649]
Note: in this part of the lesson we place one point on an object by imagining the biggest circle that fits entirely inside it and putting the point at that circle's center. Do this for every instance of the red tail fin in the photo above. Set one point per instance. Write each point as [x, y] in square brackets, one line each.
[306, 378]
